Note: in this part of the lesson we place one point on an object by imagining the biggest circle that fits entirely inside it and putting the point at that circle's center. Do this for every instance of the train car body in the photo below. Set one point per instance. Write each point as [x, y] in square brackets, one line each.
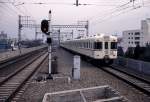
[100, 48]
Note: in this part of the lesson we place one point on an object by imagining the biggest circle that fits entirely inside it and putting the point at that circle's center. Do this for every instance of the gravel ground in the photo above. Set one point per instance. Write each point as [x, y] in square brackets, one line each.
[90, 76]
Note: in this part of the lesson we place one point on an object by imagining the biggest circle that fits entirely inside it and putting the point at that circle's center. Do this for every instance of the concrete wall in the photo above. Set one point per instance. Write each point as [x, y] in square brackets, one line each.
[136, 65]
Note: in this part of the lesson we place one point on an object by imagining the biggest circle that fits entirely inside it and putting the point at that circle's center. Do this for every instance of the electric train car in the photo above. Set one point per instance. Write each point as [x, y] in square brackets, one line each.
[100, 48]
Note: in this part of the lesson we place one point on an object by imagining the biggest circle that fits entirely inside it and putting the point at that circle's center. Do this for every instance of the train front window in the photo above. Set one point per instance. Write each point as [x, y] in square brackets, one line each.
[98, 45]
[113, 45]
[106, 45]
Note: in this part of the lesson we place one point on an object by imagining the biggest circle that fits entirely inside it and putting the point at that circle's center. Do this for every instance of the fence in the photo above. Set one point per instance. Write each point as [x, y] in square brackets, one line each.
[140, 66]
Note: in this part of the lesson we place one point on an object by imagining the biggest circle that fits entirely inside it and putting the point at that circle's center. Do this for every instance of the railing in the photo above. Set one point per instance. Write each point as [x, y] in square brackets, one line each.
[137, 65]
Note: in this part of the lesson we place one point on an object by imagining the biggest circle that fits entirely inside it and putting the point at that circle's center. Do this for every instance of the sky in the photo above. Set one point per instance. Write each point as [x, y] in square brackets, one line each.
[104, 16]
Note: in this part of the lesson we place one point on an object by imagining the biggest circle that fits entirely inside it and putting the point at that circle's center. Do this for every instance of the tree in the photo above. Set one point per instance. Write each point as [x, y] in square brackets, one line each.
[137, 51]
[146, 54]
[120, 51]
[130, 52]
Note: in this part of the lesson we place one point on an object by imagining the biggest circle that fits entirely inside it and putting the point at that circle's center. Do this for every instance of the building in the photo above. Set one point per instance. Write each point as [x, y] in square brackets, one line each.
[3, 35]
[145, 29]
[131, 38]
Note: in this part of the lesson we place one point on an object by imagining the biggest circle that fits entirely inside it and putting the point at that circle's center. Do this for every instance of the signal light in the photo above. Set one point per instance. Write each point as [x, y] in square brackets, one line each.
[49, 40]
[44, 26]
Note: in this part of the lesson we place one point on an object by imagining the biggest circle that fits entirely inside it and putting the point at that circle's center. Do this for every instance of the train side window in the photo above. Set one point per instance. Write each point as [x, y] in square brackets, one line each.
[92, 45]
[106, 45]
[97, 45]
[113, 45]
[88, 44]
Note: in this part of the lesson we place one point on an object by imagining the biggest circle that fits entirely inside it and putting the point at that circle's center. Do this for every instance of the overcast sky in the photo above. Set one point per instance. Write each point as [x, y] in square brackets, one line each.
[105, 16]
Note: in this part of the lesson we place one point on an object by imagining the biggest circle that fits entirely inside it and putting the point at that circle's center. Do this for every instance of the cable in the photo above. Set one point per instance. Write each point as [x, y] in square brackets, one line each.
[110, 17]
[7, 10]
[28, 13]
[58, 3]
[134, 7]
[114, 10]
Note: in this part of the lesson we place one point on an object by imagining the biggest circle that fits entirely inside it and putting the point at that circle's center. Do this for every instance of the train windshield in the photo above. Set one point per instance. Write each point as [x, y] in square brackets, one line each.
[97, 45]
[113, 45]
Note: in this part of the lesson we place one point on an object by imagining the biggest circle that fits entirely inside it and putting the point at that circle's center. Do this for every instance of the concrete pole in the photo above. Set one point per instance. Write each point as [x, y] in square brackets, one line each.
[49, 46]
[76, 67]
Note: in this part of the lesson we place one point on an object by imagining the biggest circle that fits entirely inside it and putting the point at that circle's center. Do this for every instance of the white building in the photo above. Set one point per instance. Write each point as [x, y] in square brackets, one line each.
[131, 38]
[145, 29]
[139, 36]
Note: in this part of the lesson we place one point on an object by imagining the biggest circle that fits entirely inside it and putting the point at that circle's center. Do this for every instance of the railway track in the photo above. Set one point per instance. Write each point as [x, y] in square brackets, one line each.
[14, 82]
[16, 59]
[137, 82]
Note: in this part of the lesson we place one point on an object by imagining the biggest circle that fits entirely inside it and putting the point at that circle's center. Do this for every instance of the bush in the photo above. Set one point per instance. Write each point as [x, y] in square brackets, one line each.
[130, 52]
[120, 51]
[146, 54]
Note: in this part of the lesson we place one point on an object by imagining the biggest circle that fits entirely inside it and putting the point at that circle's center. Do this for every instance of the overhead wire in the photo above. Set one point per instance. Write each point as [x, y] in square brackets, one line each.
[5, 13]
[119, 8]
[112, 10]
[115, 15]
[8, 9]
[61, 3]
[133, 7]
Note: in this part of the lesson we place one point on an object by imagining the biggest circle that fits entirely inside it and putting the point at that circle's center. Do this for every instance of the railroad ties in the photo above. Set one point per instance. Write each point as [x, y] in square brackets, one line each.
[137, 82]
[13, 83]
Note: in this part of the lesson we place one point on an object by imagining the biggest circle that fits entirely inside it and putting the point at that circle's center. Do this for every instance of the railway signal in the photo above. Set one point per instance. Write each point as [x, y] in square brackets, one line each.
[45, 28]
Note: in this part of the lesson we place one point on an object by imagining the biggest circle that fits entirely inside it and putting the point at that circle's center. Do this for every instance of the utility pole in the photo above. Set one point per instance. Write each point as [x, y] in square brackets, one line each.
[19, 29]
[36, 33]
[59, 37]
[72, 34]
[19, 34]
[87, 29]
[24, 22]
[86, 26]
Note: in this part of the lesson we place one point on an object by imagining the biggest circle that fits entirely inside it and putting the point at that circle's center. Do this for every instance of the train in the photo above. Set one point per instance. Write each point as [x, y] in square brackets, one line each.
[100, 48]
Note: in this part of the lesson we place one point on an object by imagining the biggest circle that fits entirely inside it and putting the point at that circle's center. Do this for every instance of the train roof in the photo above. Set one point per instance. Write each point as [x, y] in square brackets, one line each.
[95, 37]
